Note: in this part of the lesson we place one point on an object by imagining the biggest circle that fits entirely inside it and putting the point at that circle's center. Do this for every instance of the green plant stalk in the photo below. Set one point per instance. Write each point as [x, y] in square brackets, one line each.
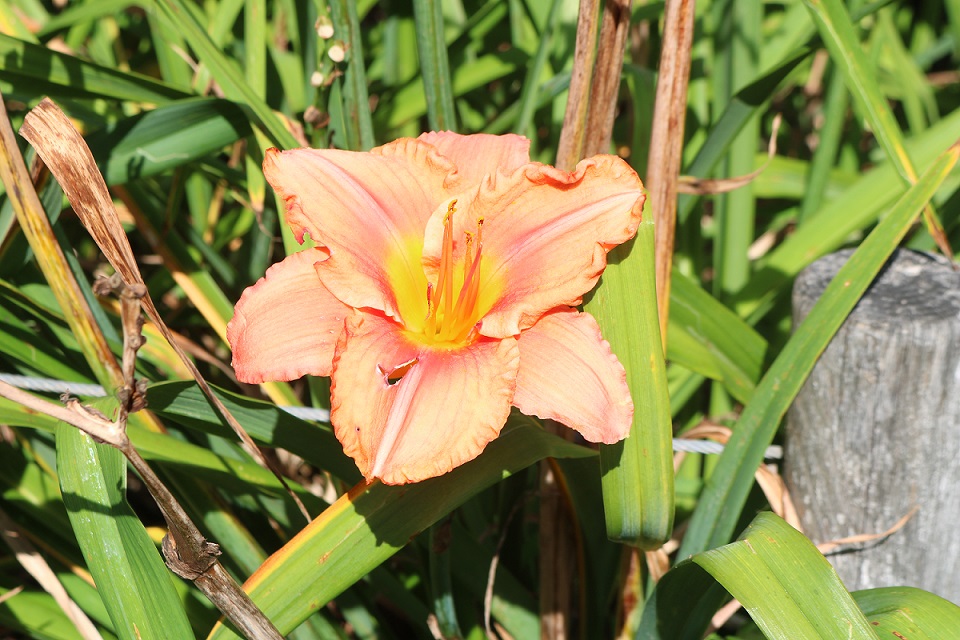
[255, 65]
[637, 473]
[434, 66]
[735, 211]
[830, 135]
[716, 515]
[356, 100]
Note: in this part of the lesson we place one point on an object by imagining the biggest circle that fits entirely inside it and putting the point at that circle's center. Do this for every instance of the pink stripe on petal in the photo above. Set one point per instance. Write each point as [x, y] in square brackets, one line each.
[568, 374]
[287, 324]
[442, 412]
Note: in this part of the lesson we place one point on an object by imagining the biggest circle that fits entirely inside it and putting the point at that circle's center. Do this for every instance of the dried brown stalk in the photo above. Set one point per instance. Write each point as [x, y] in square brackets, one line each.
[666, 142]
[573, 134]
[606, 77]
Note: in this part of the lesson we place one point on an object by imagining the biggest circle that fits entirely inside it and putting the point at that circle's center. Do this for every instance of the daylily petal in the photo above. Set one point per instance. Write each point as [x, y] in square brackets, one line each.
[368, 209]
[287, 324]
[446, 407]
[481, 154]
[569, 374]
[546, 234]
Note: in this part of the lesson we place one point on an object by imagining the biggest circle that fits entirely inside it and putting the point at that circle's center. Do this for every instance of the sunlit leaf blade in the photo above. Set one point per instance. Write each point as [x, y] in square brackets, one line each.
[134, 583]
[30, 71]
[372, 522]
[785, 584]
[718, 510]
[637, 473]
[908, 612]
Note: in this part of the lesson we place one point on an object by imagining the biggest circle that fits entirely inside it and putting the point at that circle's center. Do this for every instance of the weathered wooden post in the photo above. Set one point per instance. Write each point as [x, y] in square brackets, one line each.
[876, 429]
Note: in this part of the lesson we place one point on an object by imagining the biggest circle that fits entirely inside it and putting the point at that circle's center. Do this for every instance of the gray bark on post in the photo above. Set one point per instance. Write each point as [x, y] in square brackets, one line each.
[875, 431]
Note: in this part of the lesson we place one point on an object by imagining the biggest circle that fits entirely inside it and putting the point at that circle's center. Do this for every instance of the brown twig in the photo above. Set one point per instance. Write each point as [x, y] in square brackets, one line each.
[186, 551]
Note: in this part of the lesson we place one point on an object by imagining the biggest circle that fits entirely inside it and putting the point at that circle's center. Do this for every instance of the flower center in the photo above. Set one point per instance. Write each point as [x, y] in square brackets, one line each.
[452, 311]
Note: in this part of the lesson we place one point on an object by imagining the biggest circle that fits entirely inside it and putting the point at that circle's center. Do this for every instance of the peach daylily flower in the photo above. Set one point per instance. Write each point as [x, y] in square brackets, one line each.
[441, 293]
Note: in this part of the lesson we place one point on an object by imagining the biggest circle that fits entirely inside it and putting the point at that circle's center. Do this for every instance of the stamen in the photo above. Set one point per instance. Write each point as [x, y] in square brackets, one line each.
[466, 301]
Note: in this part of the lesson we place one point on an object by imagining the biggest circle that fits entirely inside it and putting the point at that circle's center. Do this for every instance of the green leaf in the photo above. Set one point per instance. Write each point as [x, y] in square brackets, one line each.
[718, 510]
[637, 473]
[907, 612]
[226, 72]
[708, 338]
[778, 575]
[266, 424]
[167, 137]
[133, 581]
[372, 522]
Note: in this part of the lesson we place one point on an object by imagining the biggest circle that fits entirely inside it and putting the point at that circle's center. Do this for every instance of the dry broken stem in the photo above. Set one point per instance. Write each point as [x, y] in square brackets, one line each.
[186, 551]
